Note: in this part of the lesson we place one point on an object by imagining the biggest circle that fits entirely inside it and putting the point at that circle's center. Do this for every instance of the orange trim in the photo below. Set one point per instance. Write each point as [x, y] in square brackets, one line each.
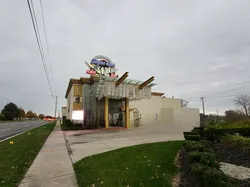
[86, 80]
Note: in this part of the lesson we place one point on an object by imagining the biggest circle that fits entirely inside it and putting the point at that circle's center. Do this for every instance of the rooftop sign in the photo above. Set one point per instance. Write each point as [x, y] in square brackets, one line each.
[101, 66]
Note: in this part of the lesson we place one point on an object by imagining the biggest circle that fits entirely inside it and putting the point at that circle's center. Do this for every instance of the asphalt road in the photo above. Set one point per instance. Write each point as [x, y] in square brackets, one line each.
[13, 128]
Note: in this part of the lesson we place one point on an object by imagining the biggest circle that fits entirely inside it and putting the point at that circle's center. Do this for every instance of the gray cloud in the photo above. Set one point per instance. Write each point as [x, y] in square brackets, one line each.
[193, 48]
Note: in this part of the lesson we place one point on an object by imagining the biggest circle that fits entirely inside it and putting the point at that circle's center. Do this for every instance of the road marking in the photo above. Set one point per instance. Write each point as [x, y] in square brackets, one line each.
[21, 133]
[1, 130]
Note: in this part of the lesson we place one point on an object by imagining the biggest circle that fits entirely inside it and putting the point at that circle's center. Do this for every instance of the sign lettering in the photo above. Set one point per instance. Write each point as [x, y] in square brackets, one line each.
[102, 66]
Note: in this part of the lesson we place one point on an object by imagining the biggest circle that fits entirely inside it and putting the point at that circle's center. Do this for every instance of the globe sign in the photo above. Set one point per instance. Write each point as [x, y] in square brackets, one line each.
[102, 66]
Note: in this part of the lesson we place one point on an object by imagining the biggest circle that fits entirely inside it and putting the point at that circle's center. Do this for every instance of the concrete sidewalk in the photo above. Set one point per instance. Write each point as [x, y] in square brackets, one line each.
[52, 166]
[87, 144]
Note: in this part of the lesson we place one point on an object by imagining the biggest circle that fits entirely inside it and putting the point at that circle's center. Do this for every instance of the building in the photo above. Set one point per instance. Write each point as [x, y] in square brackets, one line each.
[166, 111]
[108, 101]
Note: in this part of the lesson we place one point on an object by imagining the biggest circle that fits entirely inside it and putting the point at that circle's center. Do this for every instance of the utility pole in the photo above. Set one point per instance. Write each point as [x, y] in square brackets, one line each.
[56, 107]
[217, 112]
[203, 107]
[202, 122]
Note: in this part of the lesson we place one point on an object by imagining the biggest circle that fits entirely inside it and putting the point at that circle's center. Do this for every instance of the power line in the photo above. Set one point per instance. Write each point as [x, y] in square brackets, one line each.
[223, 93]
[47, 45]
[234, 89]
[38, 39]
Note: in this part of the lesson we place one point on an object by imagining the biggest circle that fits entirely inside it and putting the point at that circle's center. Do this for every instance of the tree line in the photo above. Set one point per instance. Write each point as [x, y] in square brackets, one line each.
[12, 112]
[240, 114]
[243, 110]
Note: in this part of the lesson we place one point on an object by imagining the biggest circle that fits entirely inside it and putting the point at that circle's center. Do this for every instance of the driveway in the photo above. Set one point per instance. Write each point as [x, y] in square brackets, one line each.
[86, 143]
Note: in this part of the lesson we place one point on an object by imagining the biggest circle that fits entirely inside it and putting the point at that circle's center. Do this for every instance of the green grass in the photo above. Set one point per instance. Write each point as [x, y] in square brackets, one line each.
[142, 165]
[16, 158]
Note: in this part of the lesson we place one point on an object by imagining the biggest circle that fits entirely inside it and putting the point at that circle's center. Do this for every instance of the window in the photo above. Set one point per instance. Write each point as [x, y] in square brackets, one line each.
[78, 99]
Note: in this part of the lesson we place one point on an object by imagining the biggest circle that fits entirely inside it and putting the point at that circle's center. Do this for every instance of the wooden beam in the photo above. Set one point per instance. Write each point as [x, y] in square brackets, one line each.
[147, 82]
[125, 75]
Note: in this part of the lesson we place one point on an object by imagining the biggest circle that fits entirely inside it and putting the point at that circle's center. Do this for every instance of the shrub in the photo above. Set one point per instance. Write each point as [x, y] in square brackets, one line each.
[209, 160]
[206, 143]
[216, 178]
[190, 133]
[206, 176]
[197, 129]
[68, 122]
[204, 158]
[237, 141]
[193, 146]
[1, 117]
[192, 137]
[215, 134]
[198, 171]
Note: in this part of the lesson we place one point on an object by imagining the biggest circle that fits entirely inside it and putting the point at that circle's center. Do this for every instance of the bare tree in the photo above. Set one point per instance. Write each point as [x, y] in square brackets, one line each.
[243, 101]
[184, 103]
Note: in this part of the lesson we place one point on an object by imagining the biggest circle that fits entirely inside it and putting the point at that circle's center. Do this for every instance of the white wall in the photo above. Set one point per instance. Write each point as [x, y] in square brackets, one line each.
[170, 113]
[148, 108]
[169, 102]
[187, 118]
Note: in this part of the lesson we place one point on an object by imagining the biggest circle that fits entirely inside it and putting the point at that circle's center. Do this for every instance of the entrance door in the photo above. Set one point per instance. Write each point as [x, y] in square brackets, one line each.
[115, 113]
[136, 118]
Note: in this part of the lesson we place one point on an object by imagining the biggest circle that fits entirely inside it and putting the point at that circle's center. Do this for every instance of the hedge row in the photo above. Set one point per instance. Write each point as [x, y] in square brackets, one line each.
[203, 165]
[215, 134]
[193, 136]
[206, 176]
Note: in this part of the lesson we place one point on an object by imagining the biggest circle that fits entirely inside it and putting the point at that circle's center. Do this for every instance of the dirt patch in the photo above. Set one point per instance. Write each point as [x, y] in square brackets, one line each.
[176, 179]
[228, 153]
[240, 183]
[232, 155]
[185, 176]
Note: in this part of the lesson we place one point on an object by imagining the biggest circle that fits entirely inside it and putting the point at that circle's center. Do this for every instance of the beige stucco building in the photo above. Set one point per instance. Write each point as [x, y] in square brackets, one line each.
[165, 111]
[108, 101]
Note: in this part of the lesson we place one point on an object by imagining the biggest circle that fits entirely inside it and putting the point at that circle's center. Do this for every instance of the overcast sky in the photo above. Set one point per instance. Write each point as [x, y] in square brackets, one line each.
[193, 48]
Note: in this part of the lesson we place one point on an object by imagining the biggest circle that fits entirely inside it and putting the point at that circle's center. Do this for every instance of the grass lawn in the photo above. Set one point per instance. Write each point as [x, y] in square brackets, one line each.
[16, 158]
[142, 165]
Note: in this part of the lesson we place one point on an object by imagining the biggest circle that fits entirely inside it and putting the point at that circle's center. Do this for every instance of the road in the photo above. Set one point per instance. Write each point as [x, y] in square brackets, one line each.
[13, 128]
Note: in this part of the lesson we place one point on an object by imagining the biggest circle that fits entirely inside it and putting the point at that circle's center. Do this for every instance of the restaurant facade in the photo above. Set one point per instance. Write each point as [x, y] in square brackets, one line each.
[105, 100]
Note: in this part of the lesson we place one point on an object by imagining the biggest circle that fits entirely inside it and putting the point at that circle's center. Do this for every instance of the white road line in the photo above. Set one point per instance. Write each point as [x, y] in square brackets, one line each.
[21, 133]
